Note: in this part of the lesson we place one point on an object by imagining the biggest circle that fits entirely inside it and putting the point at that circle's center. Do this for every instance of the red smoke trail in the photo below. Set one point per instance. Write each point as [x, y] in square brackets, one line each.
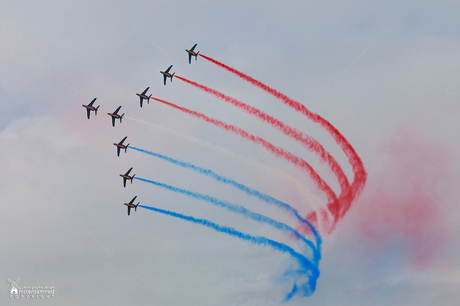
[299, 136]
[280, 152]
[338, 209]
[407, 212]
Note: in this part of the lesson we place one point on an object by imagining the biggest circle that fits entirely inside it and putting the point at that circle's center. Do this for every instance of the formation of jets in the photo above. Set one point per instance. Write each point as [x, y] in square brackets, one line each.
[115, 115]
[142, 96]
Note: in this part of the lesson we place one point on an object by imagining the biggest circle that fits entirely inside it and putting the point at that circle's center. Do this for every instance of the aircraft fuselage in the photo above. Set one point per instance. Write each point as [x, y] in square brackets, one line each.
[90, 107]
[117, 116]
[167, 74]
[143, 96]
[192, 53]
[121, 146]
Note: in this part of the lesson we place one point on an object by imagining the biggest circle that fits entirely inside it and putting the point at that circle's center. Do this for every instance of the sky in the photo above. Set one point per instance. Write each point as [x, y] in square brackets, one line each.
[384, 74]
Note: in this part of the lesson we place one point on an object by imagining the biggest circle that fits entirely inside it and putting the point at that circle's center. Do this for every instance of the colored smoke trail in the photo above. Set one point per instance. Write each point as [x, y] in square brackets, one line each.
[338, 208]
[308, 141]
[280, 152]
[173, 132]
[314, 202]
[264, 197]
[238, 209]
[408, 212]
[306, 269]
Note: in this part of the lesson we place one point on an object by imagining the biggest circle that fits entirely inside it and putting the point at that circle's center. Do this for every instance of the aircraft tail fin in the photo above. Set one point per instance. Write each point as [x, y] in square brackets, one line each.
[132, 177]
[126, 148]
[135, 207]
[95, 111]
[172, 76]
[149, 98]
[196, 57]
[121, 117]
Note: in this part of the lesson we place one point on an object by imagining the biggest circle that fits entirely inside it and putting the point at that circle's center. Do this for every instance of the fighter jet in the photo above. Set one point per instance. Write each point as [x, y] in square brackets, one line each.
[192, 53]
[126, 176]
[143, 96]
[90, 108]
[115, 115]
[132, 205]
[119, 146]
[166, 74]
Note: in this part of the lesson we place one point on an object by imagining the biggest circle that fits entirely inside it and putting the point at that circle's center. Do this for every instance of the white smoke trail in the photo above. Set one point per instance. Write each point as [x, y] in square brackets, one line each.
[313, 201]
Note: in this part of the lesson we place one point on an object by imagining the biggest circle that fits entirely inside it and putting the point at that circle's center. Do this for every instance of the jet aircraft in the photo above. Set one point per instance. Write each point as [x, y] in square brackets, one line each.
[166, 74]
[90, 108]
[143, 96]
[126, 176]
[115, 115]
[192, 53]
[119, 146]
[132, 205]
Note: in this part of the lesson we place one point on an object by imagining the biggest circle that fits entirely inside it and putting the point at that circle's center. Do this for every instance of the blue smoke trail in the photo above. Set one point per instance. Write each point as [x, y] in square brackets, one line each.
[264, 197]
[291, 294]
[306, 267]
[233, 208]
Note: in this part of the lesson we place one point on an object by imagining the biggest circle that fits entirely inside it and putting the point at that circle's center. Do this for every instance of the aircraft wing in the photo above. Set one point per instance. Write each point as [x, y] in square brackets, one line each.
[145, 90]
[118, 151]
[113, 121]
[124, 182]
[131, 202]
[141, 100]
[164, 78]
[193, 47]
[121, 142]
[129, 210]
[92, 102]
[116, 111]
[129, 171]
[88, 111]
[189, 58]
[167, 70]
